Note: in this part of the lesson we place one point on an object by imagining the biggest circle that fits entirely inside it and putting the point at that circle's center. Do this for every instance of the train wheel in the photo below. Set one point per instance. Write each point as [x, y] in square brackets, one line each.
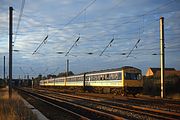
[122, 92]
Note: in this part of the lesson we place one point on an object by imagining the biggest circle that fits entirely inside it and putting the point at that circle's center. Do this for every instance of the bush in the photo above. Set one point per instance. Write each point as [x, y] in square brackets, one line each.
[151, 85]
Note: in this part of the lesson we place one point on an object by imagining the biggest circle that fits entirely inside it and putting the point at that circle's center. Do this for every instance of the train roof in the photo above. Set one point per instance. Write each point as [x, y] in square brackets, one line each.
[110, 70]
[102, 71]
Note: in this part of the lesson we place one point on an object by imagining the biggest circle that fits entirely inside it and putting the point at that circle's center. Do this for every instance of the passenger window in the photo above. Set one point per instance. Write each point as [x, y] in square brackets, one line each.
[119, 76]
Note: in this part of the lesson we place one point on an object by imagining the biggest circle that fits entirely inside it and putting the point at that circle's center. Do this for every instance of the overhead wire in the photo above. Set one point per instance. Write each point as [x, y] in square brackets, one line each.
[71, 20]
[78, 14]
[19, 20]
[142, 15]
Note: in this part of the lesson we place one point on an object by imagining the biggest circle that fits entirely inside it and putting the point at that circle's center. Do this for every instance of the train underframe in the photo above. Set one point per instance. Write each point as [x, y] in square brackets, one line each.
[115, 90]
[102, 90]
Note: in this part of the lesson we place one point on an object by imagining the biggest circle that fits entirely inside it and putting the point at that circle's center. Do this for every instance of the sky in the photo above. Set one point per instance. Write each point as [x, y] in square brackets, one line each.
[108, 32]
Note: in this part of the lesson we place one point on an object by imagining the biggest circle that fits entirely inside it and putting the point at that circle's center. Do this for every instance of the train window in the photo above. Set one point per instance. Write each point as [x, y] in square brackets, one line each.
[91, 78]
[132, 76]
[119, 76]
[95, 77]
[87, 78]
[112, 76]
[72, 79]
[107, 77]
[60, 80]
[116, 76]
[102, 77]
[68, 79]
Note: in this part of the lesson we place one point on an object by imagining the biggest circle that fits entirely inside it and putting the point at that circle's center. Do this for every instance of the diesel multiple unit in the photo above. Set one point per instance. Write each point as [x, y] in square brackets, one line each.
[125, 80]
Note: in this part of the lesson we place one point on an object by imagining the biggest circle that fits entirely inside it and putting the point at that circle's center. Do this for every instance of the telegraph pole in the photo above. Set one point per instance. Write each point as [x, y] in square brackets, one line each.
[10, 49]
[67, 67]
[162, 55]
[67, 71]
[4, 67]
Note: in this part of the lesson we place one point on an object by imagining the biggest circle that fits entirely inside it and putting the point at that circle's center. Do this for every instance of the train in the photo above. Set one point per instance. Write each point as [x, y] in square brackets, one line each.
[124, 80]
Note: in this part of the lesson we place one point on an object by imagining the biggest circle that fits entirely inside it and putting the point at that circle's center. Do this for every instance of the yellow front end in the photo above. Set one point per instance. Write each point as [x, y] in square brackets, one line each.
[132, 80]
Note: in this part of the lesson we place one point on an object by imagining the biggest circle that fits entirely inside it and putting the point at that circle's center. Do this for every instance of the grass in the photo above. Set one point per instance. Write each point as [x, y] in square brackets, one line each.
[14, 108]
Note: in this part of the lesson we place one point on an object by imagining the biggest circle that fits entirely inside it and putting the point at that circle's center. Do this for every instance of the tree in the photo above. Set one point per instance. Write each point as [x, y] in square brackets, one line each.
[63, 74]
[51, 76]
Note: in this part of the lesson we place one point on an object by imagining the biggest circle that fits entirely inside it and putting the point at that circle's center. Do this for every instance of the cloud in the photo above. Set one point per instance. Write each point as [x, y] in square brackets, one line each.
[96, 27]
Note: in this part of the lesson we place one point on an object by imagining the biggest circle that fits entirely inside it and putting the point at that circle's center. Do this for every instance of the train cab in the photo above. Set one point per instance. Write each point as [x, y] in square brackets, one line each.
[132, 78]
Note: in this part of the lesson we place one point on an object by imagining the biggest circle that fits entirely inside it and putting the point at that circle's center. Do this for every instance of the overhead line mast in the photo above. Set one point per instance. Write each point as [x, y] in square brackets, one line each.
[10, 49]
[72, 46]
[44, 41]
[106, 47]
[135, 46]
[162, 55]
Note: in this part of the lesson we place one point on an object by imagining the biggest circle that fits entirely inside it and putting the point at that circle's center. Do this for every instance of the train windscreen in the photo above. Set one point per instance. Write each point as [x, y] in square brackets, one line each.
[132, 76]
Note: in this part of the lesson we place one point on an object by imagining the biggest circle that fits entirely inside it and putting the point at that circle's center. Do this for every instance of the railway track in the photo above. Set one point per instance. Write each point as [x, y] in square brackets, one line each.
[146, 102]
[79, 111]
[160, 104]
[116, 108]
[111, 108]
[157, 104]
